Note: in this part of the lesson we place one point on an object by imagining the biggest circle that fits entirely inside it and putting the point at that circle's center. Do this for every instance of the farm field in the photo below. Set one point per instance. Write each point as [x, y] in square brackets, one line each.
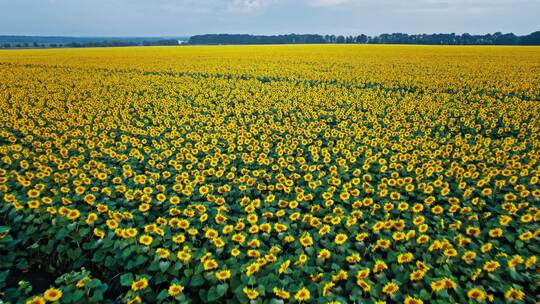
[271, 174]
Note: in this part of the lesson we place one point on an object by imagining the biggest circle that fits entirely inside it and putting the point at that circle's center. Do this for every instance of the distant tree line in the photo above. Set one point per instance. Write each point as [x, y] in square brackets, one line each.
[453, 39]
[255, 39]
[83, 44]
[215, 39]
[122, 43]
[395, 38]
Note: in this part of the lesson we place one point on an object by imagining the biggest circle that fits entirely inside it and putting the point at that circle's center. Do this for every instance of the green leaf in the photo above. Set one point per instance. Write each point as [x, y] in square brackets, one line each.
[424, 295]
[97, 297]
[162, 295]
[3, 277]
[515, 275]
[126, 252]
[216, 292]
[126, 279]
[163, 266]
[212, 294]
[222, 289]
[197, 280]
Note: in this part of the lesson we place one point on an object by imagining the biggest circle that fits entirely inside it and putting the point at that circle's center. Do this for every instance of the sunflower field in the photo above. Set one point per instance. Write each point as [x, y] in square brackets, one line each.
[270, 174]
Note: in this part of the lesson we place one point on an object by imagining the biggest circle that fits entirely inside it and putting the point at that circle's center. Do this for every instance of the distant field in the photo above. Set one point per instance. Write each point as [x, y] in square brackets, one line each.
[320, 173]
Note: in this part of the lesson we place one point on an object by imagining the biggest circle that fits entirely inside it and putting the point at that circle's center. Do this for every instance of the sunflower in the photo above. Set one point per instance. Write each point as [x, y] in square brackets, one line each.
[526, 236]
[134, 300]
[175, 289]
[284, 266]
[324, 254]
[468, 256]
[514, 294]
[383, 243]
[379, 266]
[251, 294]
[491, 266]
[340, 239]
[210, 264]
[36, 300]
[73, 214]
[145, 239]
[417, 275]
[411, 300]
[33, 193]
[52, 294]
[223, 275]
[405, 258]
[327, 288]
[91, 218]
[140, 284]
[33, 204]
[281, 293]
[302, 295]
[163, 253]
[366, 287]
[390, 288]
[476, 294]
[144, 207]
[99, 233]
[306, 240]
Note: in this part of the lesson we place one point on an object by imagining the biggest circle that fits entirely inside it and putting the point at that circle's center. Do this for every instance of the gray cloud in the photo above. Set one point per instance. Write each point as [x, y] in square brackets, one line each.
[186, 17]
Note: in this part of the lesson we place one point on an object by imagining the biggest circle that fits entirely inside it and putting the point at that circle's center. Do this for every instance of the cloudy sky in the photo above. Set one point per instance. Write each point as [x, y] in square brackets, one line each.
[189, 17]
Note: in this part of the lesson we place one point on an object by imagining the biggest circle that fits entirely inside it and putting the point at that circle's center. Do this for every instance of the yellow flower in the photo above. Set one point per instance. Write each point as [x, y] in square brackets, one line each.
[163, 253]
[80, 283]
[137, 299]
[139, 285]
[223, 275]
[36, 300]
[531, 261]
[210, 264]
[33, 193]
[526, 236]
[417, 275]
[251, 294]
[405, 258]
[411, 300]
[390, 288]
[175, 289]
[327, 288]
[324, 254]
[366, 287]
[184, 256]
[281, 293]
[340, 239]
[33, 204]
[476, 294]
[379, 266]
[302, 295]
[284, 266]
[73, 214]
[145, 240]
[306, 240]
[490, 266]
[468, 256]
[52, 294]
[99, 233]
[514, 294]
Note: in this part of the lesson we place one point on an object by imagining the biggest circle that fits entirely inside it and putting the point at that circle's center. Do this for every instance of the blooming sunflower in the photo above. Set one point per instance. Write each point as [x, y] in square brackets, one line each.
[175, 289]
[140, 284]
[52, 294]
[302, 295]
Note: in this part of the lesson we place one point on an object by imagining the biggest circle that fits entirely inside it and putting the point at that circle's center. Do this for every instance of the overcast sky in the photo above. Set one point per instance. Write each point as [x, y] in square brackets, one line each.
[189, 17]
